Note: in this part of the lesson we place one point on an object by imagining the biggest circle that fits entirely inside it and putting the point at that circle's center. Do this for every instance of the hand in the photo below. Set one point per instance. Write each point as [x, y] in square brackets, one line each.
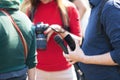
[52, 28]
[48, 32]
[57, 28]
[75, 56]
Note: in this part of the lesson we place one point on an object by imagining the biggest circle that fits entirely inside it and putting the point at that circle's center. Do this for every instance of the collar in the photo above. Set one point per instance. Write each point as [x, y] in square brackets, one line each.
[94, 3]
[51, 1]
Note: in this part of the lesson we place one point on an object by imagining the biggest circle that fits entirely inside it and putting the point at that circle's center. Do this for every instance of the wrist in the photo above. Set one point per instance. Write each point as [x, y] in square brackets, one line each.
[85, 60]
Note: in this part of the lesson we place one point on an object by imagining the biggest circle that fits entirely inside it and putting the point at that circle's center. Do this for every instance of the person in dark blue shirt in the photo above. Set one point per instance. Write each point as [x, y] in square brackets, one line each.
[99, 55]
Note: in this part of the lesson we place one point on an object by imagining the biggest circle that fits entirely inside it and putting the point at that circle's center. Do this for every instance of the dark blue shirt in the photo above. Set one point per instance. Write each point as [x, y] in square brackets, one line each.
[95, 42]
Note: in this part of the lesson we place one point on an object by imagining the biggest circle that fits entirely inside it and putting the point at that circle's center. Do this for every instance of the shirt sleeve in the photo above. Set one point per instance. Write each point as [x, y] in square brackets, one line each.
[74, 20]
[31, 58]
[111, 21]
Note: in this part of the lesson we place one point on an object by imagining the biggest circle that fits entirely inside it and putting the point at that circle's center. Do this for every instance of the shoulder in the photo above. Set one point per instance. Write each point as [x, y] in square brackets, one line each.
[22, 16]
[22, 20]
[115, 4]
[71, 8]
[111, 7]
[69, 4]
[111, 12]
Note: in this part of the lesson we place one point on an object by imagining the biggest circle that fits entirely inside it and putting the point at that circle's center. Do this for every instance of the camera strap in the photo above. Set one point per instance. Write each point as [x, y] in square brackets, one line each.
[19, 32]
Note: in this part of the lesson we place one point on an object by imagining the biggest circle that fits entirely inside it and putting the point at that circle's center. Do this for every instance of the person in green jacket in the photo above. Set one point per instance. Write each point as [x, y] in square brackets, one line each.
[21, 1]
[13, 65]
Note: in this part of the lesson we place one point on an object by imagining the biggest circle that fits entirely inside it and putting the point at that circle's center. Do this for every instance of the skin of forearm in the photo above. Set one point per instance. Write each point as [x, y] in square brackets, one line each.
[104, 59]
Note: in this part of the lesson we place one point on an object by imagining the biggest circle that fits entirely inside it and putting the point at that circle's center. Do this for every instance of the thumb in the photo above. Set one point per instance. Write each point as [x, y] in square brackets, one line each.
[47, 31]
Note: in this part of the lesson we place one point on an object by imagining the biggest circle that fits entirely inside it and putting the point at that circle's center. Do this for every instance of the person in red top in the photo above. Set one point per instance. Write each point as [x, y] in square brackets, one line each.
[51, 63]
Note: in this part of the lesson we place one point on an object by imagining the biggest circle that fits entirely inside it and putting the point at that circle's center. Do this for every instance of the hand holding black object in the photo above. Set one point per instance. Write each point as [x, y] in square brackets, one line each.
[61, 44]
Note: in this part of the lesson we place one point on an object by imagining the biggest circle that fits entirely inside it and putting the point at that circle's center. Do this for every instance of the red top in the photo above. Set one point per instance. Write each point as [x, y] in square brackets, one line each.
[52, 58]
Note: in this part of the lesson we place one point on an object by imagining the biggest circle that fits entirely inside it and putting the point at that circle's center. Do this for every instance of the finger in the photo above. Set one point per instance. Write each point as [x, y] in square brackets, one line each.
[49, 34]
[55, 27]
[72, 62]
[47, 31]
[66, 56]
[69, 60]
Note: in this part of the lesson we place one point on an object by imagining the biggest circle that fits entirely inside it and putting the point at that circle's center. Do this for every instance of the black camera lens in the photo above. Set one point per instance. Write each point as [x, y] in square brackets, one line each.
[41, 41]
[40, 36]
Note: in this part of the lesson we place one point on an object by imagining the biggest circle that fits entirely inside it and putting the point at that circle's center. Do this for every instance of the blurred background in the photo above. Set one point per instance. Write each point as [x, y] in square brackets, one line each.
[85, 18]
